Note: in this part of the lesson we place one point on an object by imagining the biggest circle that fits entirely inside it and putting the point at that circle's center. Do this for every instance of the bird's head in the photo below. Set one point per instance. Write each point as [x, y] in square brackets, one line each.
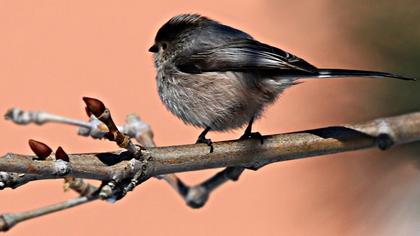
[176, 35]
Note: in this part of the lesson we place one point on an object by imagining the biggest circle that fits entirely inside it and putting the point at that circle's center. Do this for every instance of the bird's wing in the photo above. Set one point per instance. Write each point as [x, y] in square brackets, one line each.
[243, 55]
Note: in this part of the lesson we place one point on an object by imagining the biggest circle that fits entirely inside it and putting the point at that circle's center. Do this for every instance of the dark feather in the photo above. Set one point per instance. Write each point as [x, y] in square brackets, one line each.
[243, 55]
[328, 73]
[179, 24]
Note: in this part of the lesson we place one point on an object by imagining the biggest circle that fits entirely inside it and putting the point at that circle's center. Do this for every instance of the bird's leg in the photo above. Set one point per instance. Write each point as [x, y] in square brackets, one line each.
[202, 139]
[248, 134]
[196, 196]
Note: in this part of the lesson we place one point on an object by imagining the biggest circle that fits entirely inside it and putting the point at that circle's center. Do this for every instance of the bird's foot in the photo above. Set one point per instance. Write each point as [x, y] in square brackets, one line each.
[253, 135]
[203, 139]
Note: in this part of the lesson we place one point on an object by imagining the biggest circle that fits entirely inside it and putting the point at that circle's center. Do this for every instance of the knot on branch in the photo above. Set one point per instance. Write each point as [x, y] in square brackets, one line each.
[116, 189]
[96, 129]
[134, 127]
[197, 196]
[384, 141]
[22, 118]
[107, 190]
[62, 168]
[7, 221]
[5, 178]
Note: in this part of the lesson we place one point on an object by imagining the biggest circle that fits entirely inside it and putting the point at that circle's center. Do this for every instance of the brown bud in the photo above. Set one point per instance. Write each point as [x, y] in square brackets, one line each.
[95, 106]
[60, 154]
[88, 113]
[41, 150]
[110, 136]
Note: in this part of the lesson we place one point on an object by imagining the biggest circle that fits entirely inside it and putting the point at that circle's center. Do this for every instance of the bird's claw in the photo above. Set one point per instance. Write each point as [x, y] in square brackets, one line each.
[254, 135]
[206, 141]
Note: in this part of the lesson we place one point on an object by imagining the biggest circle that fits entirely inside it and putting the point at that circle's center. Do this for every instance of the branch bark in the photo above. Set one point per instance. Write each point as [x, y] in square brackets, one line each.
[119, 165]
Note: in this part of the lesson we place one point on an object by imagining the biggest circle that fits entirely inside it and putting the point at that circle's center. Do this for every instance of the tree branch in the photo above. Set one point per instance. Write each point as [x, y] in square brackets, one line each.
[246, 153]
[120, 171]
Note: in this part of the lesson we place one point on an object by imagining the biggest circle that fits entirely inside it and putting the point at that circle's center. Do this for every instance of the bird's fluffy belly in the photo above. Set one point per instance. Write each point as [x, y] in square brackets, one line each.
[221, 101]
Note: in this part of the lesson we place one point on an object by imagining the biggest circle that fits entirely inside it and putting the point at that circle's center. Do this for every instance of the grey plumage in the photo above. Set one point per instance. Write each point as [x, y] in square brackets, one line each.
[216, 77]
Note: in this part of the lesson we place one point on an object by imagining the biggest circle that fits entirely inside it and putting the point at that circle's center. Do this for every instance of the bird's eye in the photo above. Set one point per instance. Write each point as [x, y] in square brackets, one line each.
[164, 46]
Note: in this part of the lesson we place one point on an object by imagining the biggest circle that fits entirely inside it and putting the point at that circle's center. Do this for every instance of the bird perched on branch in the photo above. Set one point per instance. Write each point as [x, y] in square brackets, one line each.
[219, 78]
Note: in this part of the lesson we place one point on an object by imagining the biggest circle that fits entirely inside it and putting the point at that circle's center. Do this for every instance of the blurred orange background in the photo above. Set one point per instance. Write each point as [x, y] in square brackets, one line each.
[55, 52]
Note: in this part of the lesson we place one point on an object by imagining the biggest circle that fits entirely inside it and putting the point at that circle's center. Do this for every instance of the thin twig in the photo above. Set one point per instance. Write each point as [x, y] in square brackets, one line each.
[8, 220]
[196, 196]
[38, 117]
[14, 180]
[98, 109]
[80, 186]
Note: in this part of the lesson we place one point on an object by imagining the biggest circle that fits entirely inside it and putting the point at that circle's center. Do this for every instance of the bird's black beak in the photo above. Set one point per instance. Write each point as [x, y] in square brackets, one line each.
[154, 48]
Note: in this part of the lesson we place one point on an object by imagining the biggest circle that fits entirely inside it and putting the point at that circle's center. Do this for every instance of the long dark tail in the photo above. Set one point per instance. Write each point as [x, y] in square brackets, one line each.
[329, 73]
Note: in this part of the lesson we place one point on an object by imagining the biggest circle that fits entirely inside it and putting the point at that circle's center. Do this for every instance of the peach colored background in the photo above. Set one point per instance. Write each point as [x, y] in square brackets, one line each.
[54, 52]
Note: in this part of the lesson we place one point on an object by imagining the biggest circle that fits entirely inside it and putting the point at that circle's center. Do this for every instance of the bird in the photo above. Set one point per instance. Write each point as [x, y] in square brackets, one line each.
[219, 78]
